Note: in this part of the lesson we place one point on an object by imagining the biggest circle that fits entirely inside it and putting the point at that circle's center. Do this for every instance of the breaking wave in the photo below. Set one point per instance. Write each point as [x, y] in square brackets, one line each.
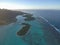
[45, 20]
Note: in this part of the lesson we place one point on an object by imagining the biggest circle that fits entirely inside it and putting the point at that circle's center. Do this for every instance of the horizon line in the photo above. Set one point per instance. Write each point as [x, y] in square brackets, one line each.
[30, 9]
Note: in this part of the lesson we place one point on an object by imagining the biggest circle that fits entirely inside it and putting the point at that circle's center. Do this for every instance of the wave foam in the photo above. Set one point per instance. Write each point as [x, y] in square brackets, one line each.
[50, 24]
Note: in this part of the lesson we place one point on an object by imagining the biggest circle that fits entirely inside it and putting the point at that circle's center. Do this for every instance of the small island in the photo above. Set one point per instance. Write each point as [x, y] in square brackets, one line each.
[29, 17]
[24, 29]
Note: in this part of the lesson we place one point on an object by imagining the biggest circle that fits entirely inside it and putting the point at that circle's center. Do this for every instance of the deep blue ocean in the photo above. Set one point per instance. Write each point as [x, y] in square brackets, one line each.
[40, 33]
[53, 16]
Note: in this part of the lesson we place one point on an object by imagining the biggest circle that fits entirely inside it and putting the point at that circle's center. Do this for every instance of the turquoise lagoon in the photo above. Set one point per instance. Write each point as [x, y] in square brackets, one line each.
[40, 33]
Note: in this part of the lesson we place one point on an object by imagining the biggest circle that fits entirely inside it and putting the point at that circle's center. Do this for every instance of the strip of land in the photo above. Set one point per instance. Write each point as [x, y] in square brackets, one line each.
[24, 29]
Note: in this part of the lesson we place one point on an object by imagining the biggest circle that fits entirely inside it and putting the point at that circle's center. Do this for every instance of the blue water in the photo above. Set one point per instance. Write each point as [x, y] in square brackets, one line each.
[39, 34]
[10, 37]
[52, 16]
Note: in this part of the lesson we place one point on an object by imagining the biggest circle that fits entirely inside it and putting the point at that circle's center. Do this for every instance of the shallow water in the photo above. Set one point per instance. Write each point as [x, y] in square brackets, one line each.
[37, 34]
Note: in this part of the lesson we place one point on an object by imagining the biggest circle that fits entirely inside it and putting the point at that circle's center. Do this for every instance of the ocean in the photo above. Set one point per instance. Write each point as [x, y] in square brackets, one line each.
[52, 16]
[41, 31]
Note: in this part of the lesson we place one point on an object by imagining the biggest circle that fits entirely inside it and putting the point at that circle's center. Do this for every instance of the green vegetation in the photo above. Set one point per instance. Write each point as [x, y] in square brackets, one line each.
[8, 16]
[29, 17]
[24, 30]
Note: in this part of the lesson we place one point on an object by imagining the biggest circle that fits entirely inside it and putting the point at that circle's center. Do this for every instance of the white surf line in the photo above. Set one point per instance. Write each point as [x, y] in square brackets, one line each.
[50, 24]
[55, 28]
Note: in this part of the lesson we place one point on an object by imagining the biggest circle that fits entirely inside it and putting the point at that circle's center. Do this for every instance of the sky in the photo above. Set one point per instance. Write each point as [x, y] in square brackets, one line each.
[30, 4]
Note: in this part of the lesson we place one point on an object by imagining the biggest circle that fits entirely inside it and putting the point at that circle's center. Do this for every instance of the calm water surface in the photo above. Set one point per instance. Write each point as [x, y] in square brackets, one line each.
[37, 34]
